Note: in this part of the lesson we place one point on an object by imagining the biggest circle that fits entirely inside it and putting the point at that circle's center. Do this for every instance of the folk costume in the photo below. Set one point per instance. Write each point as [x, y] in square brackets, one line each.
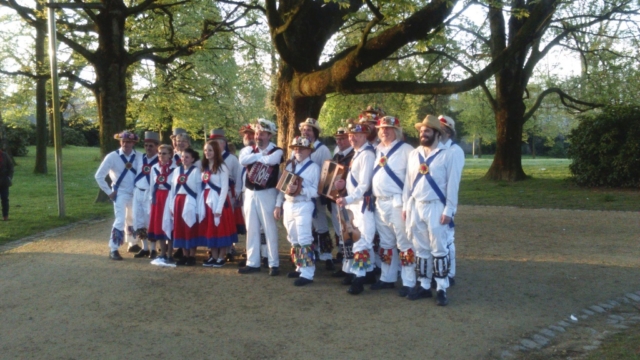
[158, 194]
[324, 246]
[180, 216]
[456, 155]
[344, 158]
[214, 199]
[431, 191]
[122, 172]
[298, 211]
[358, 255]
[260, 199]
[141, 204]
[388, 182]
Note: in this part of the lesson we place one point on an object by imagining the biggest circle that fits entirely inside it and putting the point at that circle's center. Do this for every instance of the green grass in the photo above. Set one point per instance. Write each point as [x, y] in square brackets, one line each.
[33, 200]
[34, 207]
[624, 345]
[549, 186]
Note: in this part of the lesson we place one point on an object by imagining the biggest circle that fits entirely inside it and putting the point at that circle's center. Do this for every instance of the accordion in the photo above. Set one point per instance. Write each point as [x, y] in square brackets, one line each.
[259, 174]
[331, 171]
[289, 178]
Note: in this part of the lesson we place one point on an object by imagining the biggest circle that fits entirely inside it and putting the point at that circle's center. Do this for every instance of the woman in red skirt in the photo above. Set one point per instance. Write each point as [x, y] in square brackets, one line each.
[159, 192]
[185, 187]
[217, 221]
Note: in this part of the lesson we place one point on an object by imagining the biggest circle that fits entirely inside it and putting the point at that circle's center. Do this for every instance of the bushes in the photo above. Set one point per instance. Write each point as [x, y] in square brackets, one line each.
[605, 148]
[72, 136]
[18, 138]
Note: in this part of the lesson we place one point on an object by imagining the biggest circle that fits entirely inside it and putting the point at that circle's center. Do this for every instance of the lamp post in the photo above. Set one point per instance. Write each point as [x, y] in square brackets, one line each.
[53, 61]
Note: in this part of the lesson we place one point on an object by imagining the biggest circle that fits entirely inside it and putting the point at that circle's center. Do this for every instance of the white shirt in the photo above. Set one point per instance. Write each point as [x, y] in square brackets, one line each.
[443, 174]
[215, 201]
[153, 178]
[382, 184]
[262, 156]
[310, 179]
[344, 152]
[234, 172]
[320, 153]
[143, 182]
[114, 166]
[361, 170]
[243, 169]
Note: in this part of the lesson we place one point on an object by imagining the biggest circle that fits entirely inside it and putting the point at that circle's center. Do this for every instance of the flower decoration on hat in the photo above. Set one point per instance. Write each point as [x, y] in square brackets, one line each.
[301, 142]
[341, 132]
[448, 122]
[265, 125]
[310, 122]
[388, 121]
[371, 114]
[246, 129]
[358, 128]
[126, 136]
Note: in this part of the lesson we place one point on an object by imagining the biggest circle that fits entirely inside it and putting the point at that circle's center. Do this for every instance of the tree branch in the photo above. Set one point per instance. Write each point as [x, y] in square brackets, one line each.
[367, 30]
[563, 98]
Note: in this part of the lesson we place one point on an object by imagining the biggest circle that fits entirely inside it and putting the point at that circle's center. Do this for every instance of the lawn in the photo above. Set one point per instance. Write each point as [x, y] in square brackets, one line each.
[34, 207]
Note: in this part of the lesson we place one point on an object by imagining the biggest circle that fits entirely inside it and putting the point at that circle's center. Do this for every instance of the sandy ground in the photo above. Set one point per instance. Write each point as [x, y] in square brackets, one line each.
[519, 270]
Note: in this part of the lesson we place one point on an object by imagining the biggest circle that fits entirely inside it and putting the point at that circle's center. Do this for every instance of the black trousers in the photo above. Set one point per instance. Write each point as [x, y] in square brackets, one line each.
[4, 199]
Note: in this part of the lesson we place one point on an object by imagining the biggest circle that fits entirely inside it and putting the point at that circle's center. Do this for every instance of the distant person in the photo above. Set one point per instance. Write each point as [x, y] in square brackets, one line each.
[120, 166]
[141, 204]
[178, 148]
[6, 178]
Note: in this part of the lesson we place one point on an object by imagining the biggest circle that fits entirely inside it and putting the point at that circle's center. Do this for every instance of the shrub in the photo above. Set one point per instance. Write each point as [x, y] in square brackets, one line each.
[72, 136]
[605, 148]
[18, 138]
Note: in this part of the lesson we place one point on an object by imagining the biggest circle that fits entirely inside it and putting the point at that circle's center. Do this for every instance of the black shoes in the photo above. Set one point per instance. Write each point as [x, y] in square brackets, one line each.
[115, 255]
[274, 271]
[418, 292]
[357, 286]
[441, 298]
[339, 274]
[348, 279]
[134, 248]
[153, 255]
[178, 253]
[210, 262]
[302, 281]
[141, 254]
[404, 291]
[265, 263]
[191, 260]
[248, 270]
[219, 263]
[328, 265]
[370, 278]
[182, 261]
[379, 285]
[293, 274]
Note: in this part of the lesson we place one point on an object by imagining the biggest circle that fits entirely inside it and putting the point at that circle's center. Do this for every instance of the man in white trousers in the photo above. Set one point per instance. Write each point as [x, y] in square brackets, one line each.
[296, 207]
[430, 200]
[263, 165]
[388, 182]
[141, 203]
[120, 166]
[358, 199]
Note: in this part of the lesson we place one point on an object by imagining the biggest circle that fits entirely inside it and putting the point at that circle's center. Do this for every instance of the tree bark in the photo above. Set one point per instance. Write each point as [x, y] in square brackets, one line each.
[42, 134]
[507, 162]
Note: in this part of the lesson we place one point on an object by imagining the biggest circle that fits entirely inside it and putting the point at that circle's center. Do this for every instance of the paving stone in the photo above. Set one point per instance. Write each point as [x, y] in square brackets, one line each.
[557, 328]
[621, 327]
[597, 309]
[547, 333]
[635, 318]
[632, 296]
[529, 344]
[589, 347]
[638, 293]
[563, 323]
[616, 317]
[588, 312]
[592, 330]
[543, 341]
[624, 300]
[614, 303]
[584, 317]
[596, 343]
[613, 321]
[606, 306]
[516, 348]
[506, 354]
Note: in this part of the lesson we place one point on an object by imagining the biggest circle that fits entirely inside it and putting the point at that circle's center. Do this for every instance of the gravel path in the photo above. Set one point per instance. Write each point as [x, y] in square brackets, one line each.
[520, 271]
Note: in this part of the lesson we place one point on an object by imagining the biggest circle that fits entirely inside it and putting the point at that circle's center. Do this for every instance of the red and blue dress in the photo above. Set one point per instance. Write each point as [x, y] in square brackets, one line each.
[181, 212]
[158, 192]
[214, 199]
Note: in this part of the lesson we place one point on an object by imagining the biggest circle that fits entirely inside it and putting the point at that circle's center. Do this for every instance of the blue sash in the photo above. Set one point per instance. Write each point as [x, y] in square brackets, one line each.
[304, 167]
[208, 182]
[144, 163]
[186, 187]
[156, 185]
[431, 182]
[368, 195]
[177, 160]
[225, 155]
[386, 165]
[124, 173]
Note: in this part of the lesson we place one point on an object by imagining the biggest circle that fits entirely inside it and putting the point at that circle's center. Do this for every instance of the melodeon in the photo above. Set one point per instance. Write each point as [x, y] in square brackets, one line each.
[331, 171]
[259, 174]
[287, 178]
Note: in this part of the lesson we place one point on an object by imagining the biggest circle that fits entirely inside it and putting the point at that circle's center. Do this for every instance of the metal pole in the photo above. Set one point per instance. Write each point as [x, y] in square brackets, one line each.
[57, 128]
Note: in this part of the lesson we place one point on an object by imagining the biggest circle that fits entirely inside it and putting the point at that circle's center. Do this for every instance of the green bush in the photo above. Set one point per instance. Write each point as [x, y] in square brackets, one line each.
[605, 148]
[18, 138]
[72, 136]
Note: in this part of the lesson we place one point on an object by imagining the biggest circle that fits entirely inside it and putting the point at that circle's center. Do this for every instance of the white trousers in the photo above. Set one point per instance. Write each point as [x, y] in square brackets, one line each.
[365, 222]
[391, 228]
[452, 251]
[123, 211]
[297, 220]
[430, 238]
[321, 224]
[141, 209]
[258, 212]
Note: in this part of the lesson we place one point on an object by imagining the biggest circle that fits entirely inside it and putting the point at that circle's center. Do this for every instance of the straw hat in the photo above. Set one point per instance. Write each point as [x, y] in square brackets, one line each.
[429, 121]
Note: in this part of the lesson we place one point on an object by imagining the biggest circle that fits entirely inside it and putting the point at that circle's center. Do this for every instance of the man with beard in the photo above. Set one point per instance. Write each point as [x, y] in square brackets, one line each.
[298, 208]
[387, 184]
[456, 155]
[141, 203]
[260, 197]
[311, 130]
[342, 155]
[430, 199]
[358, 200]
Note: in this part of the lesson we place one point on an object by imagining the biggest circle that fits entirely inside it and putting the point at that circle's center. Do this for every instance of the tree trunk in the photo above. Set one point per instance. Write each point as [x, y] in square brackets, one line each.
[507, 162]
[479, 147]
[533, 146]
[42, 135]
[292, 110]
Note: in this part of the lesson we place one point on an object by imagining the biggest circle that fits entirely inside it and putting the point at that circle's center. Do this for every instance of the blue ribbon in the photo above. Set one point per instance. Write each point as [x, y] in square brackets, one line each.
[186, 187]
[386, 167]
[124, 173]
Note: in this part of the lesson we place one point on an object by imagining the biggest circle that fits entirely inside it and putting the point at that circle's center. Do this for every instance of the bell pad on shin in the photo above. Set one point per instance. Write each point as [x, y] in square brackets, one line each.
[441, 266]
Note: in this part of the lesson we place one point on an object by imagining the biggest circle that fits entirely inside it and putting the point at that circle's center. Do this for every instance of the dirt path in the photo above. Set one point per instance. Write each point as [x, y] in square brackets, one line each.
[519, 271]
